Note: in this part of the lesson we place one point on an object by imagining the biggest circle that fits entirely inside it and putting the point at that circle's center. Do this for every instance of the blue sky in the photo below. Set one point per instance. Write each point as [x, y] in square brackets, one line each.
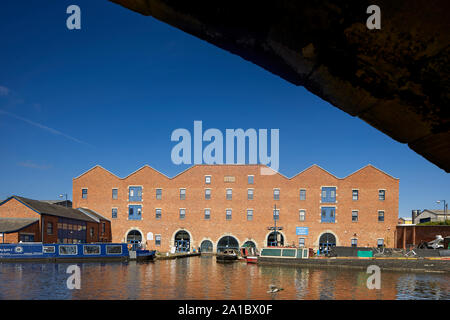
[113, 92]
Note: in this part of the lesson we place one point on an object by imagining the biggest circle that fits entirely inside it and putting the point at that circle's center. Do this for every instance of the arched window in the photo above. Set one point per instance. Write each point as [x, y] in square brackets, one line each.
[326, 242]
[227, 242]
[206, 246]
[182, 241]
[134, 236]
[275, 239]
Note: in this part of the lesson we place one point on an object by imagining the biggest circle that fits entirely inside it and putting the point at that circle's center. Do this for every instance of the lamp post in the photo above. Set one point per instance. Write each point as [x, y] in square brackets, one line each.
[445, 209]
[62, 195]
[275, 219]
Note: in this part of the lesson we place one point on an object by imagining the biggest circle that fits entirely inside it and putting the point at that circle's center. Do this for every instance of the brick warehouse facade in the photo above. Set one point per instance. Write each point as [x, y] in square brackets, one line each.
[159, 209]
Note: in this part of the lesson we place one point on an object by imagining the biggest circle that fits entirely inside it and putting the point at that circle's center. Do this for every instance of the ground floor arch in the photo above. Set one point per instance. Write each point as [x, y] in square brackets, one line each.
[275, 238]
[249, 244]
[327, 241]
[134, 237]
[206, 246]
[182, 241]
[227, 242]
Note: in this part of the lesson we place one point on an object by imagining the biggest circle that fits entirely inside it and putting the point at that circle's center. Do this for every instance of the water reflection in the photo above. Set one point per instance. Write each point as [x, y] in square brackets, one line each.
[202, 278]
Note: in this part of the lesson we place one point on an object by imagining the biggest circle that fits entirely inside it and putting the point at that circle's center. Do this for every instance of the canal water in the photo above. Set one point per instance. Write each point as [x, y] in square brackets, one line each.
[201, 278]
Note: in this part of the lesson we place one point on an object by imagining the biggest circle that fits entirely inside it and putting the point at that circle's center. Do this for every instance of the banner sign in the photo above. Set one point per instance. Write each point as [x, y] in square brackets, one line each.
[302, 231]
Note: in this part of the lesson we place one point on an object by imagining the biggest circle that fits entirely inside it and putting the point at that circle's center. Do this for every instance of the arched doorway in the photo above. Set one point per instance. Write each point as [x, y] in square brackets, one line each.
[249, 244]
[134, 237]
[206, 246]
[182, 241]
[326, 242]
[275, 239]
[227, 242]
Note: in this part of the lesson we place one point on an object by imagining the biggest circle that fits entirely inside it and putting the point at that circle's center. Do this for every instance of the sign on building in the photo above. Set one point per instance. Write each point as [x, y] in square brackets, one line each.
[302, 231]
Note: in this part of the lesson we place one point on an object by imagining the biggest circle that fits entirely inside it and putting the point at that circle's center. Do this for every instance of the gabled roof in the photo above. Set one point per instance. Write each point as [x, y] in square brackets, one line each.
[313, 167]
[234, 165]
[12, 225]
[52, 209]
[371, 166]
[436, 212]
[93, 214]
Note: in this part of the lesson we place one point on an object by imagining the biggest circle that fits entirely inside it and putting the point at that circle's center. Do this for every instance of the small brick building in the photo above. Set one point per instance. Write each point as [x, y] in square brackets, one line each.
[28, 220]
[219, 206]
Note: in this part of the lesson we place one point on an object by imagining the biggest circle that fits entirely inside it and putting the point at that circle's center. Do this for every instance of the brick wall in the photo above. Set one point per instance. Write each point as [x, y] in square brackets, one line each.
[15, 209]
[367, 230]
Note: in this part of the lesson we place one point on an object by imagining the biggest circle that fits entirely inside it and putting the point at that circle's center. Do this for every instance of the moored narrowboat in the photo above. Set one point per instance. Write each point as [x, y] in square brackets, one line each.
[228, 255]
[142, 255]
[63, 252]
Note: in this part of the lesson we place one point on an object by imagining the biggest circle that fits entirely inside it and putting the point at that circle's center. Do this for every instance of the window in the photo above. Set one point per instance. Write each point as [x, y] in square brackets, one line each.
[329, 194]
[91, 232]
[207, 214]
[158, 194]
[208, 179]
[382, 194]
[302, 215]
[302, 194]
[182, 194]
[328, 214]
[355, 194]
[158, 214]
[114, 249]
[84, 193]
[49, 249]
[354, 243]
[380, 243]
[68, 250]
[228, 212]
[354, 216]
[251, 179]
[229, 194]
[276, 214]
[182, 214]
[276, 194]
[103, 228]
[50, 228]
[135, 194]
[301, 242]
[207, 194]
[114, 213]
[250, 194]
[157, 240]
[115, 194]
[249, 214]
[380, 216]
[91, 249]
[135, 212]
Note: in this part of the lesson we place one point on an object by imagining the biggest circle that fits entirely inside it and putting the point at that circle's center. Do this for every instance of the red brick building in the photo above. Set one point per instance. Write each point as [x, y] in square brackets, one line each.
[28, 220]
[214, 206]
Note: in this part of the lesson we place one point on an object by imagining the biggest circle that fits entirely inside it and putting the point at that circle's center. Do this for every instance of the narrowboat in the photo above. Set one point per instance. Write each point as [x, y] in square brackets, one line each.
[250, 254]
[228, 255]
[142, 255]
[63, 252]
[283, 253]
[252, 259]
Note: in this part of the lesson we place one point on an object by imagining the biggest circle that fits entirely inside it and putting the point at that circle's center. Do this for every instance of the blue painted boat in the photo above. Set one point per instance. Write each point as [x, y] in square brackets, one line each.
[145, 255]
[64, 252]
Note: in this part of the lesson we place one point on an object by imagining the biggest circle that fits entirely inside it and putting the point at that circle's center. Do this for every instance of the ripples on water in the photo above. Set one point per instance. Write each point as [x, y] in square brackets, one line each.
[201, 278]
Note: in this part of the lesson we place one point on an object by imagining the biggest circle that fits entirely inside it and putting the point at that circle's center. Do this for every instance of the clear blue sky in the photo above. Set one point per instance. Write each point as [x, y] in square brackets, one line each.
[113, 92]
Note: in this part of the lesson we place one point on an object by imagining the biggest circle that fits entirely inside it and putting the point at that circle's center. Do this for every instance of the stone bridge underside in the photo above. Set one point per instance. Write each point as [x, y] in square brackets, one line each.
[396, 79]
